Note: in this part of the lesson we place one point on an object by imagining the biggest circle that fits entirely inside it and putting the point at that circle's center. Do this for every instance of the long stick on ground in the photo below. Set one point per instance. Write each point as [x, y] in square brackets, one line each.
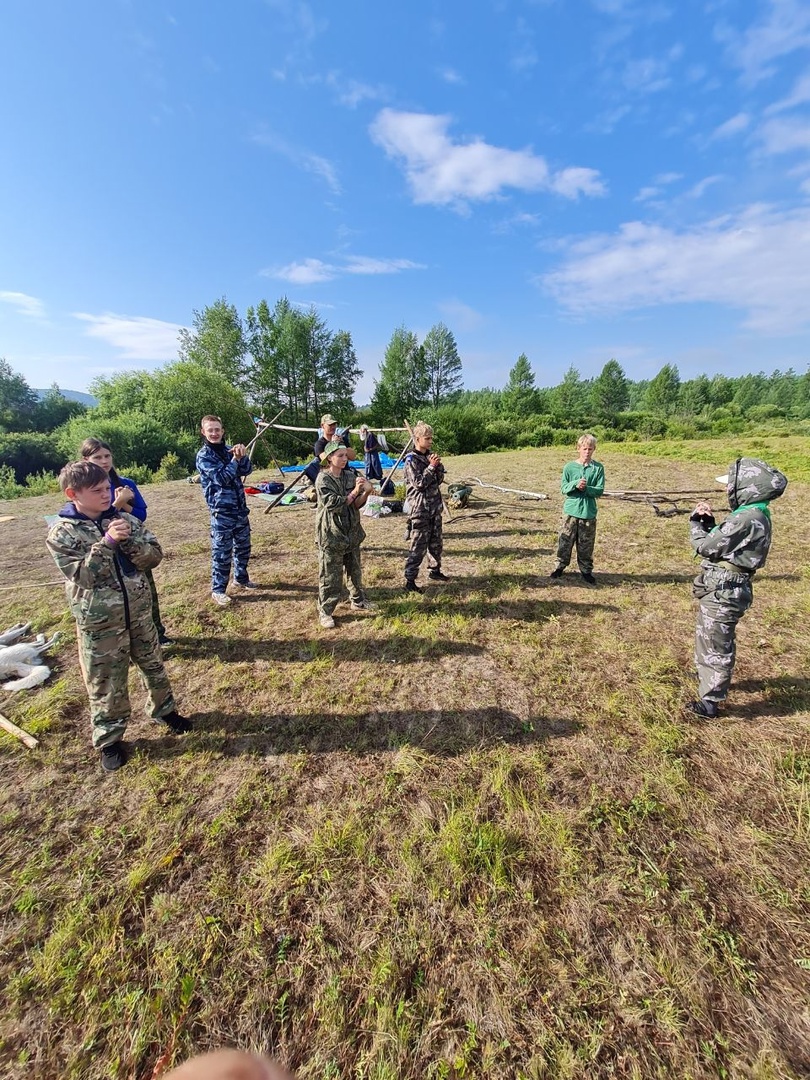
[18, 733]
[510, 491]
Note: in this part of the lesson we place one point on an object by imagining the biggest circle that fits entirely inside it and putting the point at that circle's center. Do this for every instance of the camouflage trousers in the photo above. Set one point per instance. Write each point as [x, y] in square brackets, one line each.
[230, 543]
[104, 657]
[332, 565]
[724, 599]
[426, 536]
[156, 619]
[582, 533]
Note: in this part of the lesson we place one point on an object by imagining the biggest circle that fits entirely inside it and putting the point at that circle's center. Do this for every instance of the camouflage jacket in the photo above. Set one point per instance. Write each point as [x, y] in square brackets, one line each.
[422, 485]
[337, 524]
[105, 586]
[744, 538]
[221, 479]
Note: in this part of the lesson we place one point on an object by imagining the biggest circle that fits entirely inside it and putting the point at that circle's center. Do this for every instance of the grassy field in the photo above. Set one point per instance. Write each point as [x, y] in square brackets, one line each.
[471, 835]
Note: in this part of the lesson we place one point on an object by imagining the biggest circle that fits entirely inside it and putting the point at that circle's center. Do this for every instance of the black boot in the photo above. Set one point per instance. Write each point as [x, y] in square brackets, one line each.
[411, 586]
[437, 575]
[558, 572]
[703, 708]
[113, 756]
[587, 576]
[177, 724]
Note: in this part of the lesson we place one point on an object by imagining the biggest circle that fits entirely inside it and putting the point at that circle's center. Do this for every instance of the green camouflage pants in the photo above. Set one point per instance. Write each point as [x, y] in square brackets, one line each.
[332, 564]
[582, 533]
[724, 599]
[104, 657]
[426, 537]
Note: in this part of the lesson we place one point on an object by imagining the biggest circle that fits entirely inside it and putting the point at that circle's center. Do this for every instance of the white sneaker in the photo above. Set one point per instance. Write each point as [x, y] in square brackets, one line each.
[221, 598]
[327, 622]
[245, 585]
[362, 605]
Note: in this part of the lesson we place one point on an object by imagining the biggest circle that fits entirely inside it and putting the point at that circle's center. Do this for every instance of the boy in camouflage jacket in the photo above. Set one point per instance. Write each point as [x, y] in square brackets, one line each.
[732, 553]
[103, 553]
[424, 473]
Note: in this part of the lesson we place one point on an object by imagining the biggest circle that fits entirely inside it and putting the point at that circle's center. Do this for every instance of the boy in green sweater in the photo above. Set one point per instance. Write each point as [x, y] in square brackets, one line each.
[583, 481]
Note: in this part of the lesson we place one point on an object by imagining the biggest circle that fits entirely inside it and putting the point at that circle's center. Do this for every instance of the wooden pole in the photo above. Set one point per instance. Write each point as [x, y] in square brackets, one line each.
[18, 733]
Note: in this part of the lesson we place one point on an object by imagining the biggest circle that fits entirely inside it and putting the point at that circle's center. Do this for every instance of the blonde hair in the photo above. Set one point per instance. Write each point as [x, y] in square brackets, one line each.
[586, 440]
[421, 428]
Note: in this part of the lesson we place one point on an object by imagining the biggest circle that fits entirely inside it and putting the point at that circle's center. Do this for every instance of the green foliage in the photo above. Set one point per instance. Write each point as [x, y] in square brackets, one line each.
[41, 483]
[30, 452]
[758, 413]
[609, 392]
[403, 386]
[136, 439]
[124, 392]
[171, 468]
[180, 394]
[442, 364]
[520, 396]
[663, 391]
[55, 409]
[141, 474]
[217, 341]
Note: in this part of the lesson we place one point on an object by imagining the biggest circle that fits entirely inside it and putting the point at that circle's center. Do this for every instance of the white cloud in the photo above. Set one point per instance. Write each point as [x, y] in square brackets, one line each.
[698, 190]
[314, 271]
[442, 172]
[755, 262]
[24, 304]
[302, 158]
[799, 95]
[784, 28]
[137, 337]
[784, 135]
[450, 75]
[351, 93]
[647, 193]
[464, 317]
[733, 126]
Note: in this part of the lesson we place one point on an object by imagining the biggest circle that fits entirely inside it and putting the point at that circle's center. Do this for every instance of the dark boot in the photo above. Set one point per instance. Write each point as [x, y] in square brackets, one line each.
[558, 572]
[411, 586]
[113, 756]
[177, 724]
[703, 708]
[437, 575]
[588, 577]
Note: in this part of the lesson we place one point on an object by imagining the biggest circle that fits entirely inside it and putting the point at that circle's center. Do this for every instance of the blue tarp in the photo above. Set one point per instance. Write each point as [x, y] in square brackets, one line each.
[386, 461]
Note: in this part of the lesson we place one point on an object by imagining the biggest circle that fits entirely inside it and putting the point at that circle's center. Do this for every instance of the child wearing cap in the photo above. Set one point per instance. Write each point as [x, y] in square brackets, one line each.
[731, 553]
[338, 532]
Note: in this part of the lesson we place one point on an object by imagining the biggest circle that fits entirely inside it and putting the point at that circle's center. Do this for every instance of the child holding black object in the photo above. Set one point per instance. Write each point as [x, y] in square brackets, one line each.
[339, 534]
[732, 553]
[424, 473]
[103, 554]
[125, 496]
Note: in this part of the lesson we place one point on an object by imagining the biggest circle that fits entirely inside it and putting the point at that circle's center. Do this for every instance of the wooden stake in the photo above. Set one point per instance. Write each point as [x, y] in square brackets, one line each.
[18, 733]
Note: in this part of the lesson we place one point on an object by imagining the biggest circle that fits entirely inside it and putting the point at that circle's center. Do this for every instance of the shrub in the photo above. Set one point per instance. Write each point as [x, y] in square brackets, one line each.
[758, 413]
[141, 474]
[566, 437]
[136, 439]
[29, 452]
[536, 436]
[9, 488]
[43, 483]
[171, 468]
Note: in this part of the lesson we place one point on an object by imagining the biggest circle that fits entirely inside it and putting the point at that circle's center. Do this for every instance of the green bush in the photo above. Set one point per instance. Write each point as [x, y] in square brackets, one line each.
[28, 452]
[536, 436]
[171, 468]
[43, 483]
[141, 474]
[566, 437]
[9, 488]
[758, 413]
[135, 438]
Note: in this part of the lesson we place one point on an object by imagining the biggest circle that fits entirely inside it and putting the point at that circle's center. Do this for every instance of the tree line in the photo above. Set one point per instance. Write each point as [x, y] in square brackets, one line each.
[283, 358]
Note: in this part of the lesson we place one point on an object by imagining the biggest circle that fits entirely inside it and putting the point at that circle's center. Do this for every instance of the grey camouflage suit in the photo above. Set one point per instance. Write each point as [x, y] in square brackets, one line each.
[424, 496]
[338, 534]
[731, 554]
[110, 599]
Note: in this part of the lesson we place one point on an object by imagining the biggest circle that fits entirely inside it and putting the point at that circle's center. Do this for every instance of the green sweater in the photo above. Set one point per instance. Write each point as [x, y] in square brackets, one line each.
[582, 504]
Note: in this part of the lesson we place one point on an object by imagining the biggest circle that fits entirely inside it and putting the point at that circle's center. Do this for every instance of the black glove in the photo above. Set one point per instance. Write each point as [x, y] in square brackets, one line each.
[706, 520]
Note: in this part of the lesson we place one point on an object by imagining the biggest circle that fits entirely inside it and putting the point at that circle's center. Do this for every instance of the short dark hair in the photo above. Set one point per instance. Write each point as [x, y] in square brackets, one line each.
[79, 475]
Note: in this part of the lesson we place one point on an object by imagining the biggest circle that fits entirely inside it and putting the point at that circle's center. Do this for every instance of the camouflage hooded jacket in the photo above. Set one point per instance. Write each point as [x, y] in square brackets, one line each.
[744, 538]
[337, 522]
[221, 478]
[422, 482]
[105, 587]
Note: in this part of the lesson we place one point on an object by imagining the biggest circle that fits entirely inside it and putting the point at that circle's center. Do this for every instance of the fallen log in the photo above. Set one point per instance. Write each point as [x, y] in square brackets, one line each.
[18, 733]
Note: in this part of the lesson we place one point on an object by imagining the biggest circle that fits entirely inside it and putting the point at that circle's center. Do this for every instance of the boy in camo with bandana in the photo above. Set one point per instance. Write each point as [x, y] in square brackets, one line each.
[103, 553]
[732, 553]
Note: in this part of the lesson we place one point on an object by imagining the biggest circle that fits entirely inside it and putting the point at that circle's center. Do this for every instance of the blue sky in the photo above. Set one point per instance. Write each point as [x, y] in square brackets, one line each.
[573, 179]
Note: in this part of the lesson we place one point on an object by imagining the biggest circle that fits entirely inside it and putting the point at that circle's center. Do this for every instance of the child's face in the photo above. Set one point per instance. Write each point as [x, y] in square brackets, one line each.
[338, 459]
[213, 431]
[586, 453]
[92, 501]
[424, 443]
[103, 458]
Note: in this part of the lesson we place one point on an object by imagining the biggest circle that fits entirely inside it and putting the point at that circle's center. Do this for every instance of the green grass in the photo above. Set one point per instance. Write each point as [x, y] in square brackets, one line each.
[472, 835]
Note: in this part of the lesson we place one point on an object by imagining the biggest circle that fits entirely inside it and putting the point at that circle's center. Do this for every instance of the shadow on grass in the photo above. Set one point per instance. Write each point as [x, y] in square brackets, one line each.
[488, 552]
[440, 733]
[782, 695]
[401, 649]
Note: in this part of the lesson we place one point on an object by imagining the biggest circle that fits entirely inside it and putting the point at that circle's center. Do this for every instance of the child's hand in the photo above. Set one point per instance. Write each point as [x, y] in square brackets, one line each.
[119, 529]
[124, 497]
[703, 508]
[238, 451]
[582, 483]
[434, 460]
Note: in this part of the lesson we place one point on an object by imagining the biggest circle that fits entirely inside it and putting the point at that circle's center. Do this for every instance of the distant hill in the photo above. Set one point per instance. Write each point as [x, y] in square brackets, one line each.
[71, 395]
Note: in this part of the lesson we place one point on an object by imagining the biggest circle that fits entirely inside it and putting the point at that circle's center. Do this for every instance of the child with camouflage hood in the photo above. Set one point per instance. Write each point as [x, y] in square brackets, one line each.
[338, 532]
[732, 553]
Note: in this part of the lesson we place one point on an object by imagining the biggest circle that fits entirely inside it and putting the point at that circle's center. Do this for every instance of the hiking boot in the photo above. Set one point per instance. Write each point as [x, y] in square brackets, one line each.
[177, 724]
[703, 708]
[165, 640]
[437, 575]
[246, 585]
[556, 573]
[362, 605]
[221, 598]
[411, 586]
[327, 622]
[586, 576]
[113, 756]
